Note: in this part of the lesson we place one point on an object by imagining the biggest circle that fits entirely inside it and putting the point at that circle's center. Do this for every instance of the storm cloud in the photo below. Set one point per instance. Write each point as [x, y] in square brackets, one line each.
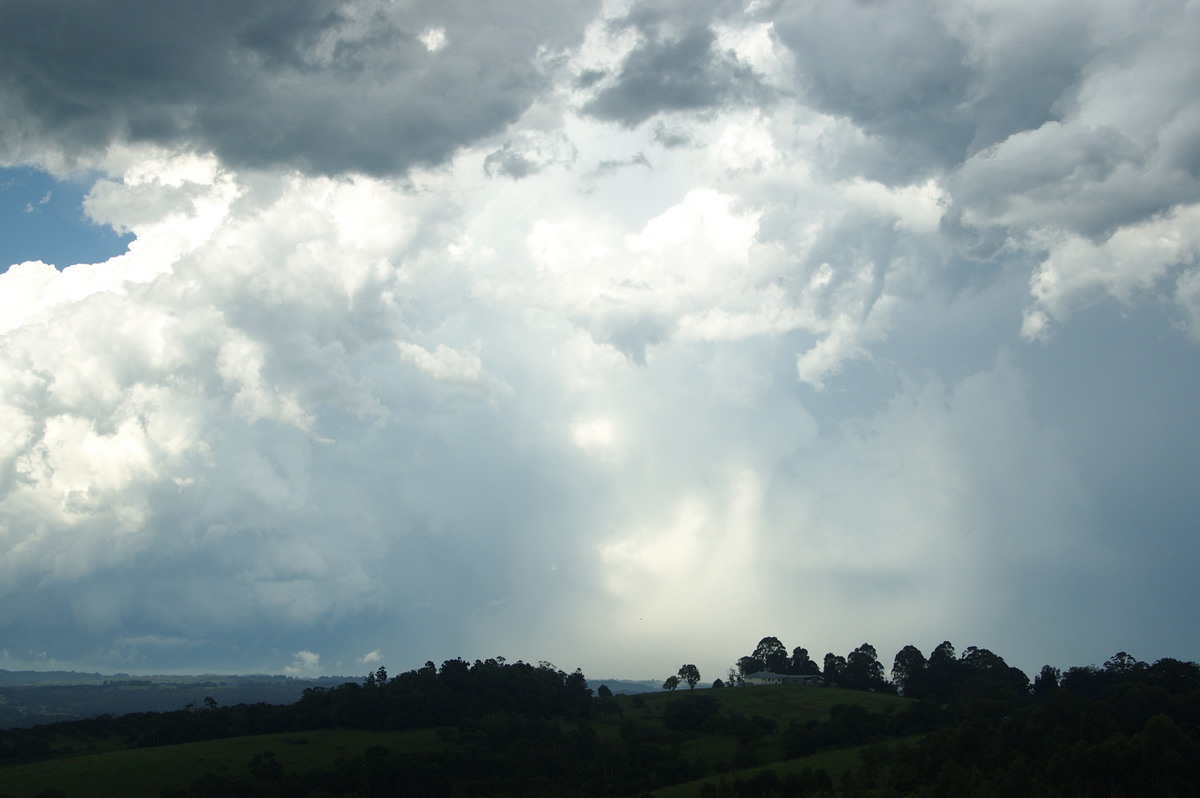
[615, 335]
[320, 86]
[689, 73]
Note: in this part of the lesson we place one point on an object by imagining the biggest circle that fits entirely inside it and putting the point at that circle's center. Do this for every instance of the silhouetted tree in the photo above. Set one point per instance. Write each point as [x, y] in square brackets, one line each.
[691, 675]
[863, 671]
[835, 666]
[747, 666]
[671, 683]
[908, 671]
[1122, 664]
[985, 675]
[772, 654]
[941, 674]
[577, 695]
[801, 664]
[1046, 682]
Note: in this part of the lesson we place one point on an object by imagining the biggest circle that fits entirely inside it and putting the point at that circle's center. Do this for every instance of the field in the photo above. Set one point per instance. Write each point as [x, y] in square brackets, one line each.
[147, 771]
[835, 763]
[781, 704]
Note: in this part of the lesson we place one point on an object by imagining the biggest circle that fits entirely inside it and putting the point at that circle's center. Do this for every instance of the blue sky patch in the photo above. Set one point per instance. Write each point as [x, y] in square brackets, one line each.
[42, 218]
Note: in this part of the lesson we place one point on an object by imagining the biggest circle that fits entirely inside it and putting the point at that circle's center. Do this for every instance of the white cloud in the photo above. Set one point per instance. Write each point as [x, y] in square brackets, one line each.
[306, 663]
[150, 396]
[594, 434]
[1134, 260]
[916, 208]
[1187, 294]
[843, 343]
[434, 39]
[451, 367]
[719, 353]
[755, 45]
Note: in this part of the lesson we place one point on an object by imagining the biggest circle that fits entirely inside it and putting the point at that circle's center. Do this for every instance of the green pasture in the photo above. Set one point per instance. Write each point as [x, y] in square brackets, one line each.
[836, 763]
[781, 704]
[146, 771]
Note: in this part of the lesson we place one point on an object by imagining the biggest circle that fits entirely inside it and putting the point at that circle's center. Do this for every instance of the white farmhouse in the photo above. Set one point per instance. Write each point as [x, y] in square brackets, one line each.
[766, 677]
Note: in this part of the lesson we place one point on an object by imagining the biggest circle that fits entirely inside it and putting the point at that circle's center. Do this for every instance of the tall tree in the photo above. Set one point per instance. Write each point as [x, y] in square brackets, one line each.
[671, 683]
[772, 654]
[985, 675]
[835, 667]
[908, 671]
[1122, 663]
[942, 673]
[747, 666]
[691, 675]
[863, 669]
[1046, 682]
[577, 694]
[801, 664]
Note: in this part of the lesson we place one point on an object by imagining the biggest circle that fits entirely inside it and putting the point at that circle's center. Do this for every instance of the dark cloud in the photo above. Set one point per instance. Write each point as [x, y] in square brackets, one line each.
[936, 86]
[1030, 114]
[589, 77]
[317, 85]
[687, 73]
[529, 154]
[670, 137]
[657, 16]
[610, 167]
[507, 161]
[892, 68]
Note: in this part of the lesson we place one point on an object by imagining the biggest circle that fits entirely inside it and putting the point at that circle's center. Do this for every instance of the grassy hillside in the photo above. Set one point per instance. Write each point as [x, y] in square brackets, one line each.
[147, 771]
[835, 763]
[494, 728]
[780, 706]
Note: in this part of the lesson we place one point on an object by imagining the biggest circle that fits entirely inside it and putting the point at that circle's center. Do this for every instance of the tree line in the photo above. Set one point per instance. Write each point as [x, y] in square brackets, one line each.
[427, 697]
[968, 725]
[942, 676]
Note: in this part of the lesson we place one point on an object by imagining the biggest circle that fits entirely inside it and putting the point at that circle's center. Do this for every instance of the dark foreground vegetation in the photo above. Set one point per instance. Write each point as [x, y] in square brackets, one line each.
[949, 725]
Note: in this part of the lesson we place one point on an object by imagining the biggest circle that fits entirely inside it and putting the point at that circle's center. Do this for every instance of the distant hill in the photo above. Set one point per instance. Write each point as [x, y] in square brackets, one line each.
[627, 686]
[53, 677]
[494, 728]
[30, 678]
[28, 698]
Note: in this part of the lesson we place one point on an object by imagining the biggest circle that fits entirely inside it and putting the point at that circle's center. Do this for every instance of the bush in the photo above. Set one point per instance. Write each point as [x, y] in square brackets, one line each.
[689, 714]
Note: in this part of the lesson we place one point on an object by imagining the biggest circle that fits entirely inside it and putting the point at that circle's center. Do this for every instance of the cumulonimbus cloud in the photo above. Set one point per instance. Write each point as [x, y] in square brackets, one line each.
[445, 327]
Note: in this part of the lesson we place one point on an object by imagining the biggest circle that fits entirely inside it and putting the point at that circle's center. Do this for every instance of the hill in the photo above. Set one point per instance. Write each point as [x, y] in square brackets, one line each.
[28, 698]
[493, 728]
[658, 738]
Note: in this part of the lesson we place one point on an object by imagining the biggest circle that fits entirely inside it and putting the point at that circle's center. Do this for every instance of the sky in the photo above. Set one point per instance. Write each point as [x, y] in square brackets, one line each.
[619, 335]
